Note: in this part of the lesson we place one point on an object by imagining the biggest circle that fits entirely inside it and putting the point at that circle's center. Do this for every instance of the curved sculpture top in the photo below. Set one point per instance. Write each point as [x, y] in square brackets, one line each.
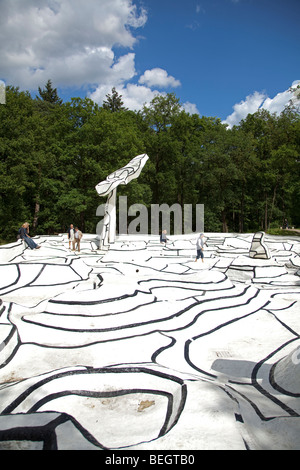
[122, 176]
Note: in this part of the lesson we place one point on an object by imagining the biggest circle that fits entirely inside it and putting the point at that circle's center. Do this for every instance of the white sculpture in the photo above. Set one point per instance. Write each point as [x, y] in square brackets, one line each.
[258, 249]
[109, 187]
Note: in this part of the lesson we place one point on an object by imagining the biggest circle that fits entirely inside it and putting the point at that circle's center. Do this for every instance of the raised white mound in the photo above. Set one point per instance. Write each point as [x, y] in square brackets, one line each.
[286, 374]
[141, 347]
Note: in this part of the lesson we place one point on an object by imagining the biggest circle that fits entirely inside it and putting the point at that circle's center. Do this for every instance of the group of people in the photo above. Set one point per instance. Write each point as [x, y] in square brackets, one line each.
[199, 244]
[74, 237]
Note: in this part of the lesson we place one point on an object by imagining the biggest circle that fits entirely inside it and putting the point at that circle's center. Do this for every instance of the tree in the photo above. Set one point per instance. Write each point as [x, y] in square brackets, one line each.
[276, 145]
[219, 174]
[49, 94]
[162, 148]
[47, 170]
[114, 102]
[53, 154]
[16, 141]
[161, 112]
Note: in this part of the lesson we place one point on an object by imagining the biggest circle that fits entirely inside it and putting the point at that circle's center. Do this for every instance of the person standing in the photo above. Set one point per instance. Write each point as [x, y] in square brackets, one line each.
[77, 238]
[71, 233]
[200, 247]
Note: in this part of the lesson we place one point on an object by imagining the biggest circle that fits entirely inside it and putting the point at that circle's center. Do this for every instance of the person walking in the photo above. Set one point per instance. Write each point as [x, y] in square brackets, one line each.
[200, 247]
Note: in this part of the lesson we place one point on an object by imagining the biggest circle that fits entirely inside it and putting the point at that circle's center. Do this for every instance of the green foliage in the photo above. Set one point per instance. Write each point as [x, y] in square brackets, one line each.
[114, 102]
[53, 154]
[49, 94]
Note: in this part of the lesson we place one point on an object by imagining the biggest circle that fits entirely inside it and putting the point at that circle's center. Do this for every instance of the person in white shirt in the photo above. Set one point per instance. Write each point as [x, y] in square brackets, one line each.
[77, 238]
[71, 233]
[200, 247]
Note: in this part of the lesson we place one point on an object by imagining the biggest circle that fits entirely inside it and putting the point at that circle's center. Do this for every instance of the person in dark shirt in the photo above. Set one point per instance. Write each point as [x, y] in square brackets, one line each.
[24, 235]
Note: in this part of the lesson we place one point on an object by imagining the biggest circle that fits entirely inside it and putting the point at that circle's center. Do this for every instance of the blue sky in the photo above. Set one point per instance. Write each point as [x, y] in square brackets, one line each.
[222, 50]
[221, 58]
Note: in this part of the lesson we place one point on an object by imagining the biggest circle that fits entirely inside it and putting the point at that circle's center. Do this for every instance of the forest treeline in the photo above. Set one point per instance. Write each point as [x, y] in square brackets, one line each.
[53, 153]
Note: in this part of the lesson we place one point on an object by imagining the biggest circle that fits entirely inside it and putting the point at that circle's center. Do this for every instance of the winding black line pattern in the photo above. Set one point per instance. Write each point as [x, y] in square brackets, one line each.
[140, 324]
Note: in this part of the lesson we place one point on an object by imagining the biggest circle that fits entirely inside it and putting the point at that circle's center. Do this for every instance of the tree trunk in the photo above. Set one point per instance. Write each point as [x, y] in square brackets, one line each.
[266, 213]
[224, 222]
[37, 199]
[273, 204]
[36, 213]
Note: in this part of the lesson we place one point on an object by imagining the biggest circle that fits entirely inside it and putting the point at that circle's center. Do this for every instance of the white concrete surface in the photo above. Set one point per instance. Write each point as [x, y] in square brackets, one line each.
[141, 347]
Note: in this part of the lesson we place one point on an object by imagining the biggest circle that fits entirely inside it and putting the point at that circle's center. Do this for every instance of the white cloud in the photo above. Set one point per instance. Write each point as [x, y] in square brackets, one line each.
[190, 108]
[242, 109]
[158, 77]
[280, 101]
[66, 41]
[258, 101]
[133, 96]
[74, 43]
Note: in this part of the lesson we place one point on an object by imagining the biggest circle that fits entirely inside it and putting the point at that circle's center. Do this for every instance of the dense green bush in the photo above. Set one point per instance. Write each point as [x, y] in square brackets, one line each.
[52, 155]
